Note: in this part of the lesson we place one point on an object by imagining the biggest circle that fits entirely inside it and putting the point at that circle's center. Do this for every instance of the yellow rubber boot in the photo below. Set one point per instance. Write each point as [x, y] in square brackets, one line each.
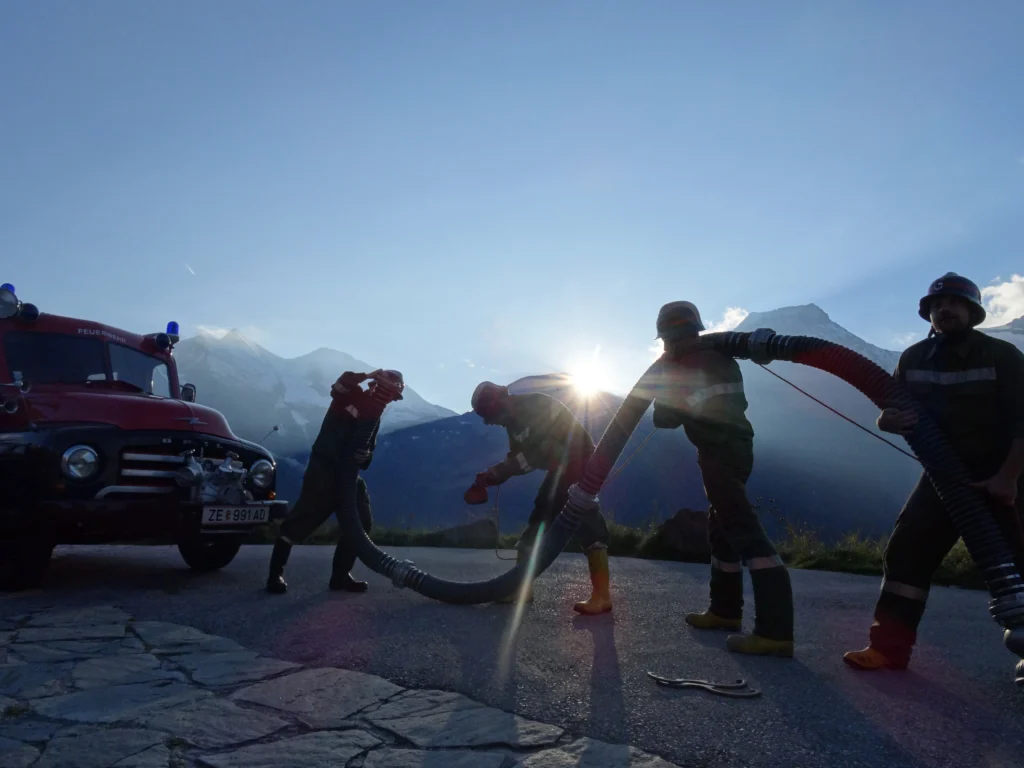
[709, 620]
[759, 646]
[600, 595]
[870, 659]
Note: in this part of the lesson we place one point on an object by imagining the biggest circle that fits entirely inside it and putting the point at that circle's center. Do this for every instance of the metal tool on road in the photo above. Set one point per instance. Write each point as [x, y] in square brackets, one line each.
[738, 690]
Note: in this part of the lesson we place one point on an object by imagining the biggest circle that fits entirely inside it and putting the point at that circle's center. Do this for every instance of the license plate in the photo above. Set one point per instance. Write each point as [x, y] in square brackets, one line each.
[235, 515]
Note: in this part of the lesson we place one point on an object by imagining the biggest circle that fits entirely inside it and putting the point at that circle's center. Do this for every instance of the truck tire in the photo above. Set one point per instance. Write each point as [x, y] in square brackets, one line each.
[23, 562]
[209, 554]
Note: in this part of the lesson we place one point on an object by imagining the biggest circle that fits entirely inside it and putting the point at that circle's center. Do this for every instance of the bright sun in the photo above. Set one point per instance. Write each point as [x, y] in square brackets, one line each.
[588, 379]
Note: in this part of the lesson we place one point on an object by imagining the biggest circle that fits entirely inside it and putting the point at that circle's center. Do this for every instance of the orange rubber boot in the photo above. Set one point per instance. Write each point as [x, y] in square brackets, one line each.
[871, 659]
[600, 596]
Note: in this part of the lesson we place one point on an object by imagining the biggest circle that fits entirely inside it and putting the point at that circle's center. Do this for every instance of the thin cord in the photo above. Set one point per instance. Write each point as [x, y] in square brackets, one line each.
[840, 415]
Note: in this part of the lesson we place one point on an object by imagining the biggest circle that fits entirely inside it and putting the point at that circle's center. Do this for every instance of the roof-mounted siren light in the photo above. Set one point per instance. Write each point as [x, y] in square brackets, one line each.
[172, 332]
[9, 304]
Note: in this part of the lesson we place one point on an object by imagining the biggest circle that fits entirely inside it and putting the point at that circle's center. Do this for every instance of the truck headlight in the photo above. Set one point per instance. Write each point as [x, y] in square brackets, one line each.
[262, 474]
[80, 462]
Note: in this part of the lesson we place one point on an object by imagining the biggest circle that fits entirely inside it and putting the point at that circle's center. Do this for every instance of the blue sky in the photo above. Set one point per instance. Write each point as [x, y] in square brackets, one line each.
[465, 190]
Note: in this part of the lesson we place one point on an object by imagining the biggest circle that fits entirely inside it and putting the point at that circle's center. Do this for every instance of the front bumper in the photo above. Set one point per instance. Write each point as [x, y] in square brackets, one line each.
[108, 520]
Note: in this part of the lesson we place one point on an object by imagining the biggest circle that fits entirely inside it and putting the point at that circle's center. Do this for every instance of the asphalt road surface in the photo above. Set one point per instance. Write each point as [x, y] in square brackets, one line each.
[956, 706]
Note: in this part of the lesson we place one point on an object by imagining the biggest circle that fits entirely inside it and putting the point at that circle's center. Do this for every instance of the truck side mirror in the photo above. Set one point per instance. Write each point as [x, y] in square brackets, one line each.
[188, 393]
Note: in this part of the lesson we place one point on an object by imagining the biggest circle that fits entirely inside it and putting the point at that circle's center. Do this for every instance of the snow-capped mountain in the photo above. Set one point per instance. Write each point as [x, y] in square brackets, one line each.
[1012, 332]
[256, 389]
[812, 320]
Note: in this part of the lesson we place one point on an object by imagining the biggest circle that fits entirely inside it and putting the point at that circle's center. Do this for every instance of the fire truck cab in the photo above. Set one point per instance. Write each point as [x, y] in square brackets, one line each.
[100, 443]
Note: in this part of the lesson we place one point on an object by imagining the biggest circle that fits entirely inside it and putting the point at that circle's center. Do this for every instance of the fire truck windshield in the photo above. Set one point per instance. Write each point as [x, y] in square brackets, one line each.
[147, 373]
[57, 358]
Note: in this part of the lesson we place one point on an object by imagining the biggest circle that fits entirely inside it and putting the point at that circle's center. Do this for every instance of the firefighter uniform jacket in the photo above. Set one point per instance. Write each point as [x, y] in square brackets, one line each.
[972, 387]
[702, 391]
[542, 434]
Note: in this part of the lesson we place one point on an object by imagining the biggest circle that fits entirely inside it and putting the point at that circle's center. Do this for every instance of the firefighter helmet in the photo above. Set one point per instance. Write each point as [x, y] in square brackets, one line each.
[487, 398]
[678, 315]
[952, 284]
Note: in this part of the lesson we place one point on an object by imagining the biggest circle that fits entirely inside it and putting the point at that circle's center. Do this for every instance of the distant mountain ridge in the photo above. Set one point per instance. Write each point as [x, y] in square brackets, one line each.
[815, 467]
[257, 389]
[811, 320]
[811, 466]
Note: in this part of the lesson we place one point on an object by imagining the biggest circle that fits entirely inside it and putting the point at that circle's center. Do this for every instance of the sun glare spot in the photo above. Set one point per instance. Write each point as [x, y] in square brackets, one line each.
[589, 377]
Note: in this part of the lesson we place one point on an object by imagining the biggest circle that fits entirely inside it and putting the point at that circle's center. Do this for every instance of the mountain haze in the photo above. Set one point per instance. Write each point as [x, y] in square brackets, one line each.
[810, 465]
[257, 389]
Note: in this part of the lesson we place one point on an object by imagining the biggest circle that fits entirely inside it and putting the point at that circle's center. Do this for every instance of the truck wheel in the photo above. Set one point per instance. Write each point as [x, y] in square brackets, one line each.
[23, 562]
[209, 554]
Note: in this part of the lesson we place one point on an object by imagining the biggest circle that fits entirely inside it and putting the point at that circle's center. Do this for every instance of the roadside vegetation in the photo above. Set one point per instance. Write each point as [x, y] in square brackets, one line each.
[800, 547]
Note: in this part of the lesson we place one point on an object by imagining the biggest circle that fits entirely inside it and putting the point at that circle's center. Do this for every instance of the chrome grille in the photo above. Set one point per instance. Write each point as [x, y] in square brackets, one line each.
[148, 471]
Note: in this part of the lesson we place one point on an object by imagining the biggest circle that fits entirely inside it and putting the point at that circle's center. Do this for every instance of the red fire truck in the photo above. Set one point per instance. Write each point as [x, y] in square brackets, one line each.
[99, 443]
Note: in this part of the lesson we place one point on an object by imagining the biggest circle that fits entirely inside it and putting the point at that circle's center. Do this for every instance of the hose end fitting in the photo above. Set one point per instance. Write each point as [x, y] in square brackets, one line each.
[757, 345]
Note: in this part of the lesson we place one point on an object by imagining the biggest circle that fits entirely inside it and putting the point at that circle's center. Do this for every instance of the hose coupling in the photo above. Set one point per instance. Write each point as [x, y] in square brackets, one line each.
[587, 502]
[757, 345]
[1013, 639]
[401, 571]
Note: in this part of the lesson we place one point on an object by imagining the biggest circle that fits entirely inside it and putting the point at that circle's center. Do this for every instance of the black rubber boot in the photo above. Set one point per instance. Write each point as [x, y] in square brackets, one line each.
[278, 559]
[773, 602]
[341, 579]
[726, 590]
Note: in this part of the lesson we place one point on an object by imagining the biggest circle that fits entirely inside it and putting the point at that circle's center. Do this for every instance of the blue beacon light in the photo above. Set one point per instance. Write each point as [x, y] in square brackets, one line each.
[7, 287]
[172, 328]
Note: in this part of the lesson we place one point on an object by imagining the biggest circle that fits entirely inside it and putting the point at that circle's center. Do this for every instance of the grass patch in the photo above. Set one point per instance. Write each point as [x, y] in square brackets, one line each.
[16, 710]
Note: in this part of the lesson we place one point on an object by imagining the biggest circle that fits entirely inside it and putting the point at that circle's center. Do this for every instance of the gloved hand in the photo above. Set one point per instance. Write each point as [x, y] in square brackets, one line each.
[477, 494]
[363, 457]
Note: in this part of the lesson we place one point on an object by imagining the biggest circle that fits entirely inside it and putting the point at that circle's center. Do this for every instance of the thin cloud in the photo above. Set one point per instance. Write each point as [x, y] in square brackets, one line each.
[1004, 301]
[189, 268]
[733, 316]
[250, 333]
[469, 363]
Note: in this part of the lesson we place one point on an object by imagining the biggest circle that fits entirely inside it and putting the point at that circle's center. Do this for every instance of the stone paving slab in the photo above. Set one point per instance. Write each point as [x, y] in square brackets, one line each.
[320, 698]
[328, 748]
[47, 634]
[231, 667]
[30, 681]
[105, 671]
[590, 753]
[97, 748]
[15, 754]
[117, 702]
[443, 719]
[389, 757]
[216, 723]
[92, 688]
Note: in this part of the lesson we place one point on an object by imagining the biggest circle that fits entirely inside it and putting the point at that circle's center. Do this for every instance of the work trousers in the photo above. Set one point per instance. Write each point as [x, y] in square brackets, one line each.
[552, 497]
[736, 537]
[921, 539]
[320, 495]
